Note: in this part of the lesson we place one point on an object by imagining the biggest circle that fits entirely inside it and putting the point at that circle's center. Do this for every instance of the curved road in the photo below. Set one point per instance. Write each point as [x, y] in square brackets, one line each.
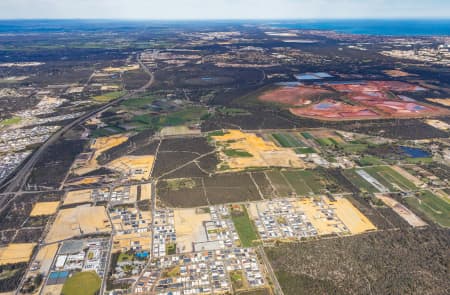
[15, 183]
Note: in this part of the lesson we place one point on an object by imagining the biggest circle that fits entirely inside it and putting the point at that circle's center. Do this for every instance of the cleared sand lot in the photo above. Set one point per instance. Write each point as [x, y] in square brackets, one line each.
[353, 219]
[239, 150]
[349, 218]
[127, 242]
[52, 289]
[99, 146]
[146, 191]
[79, 220]
[189, 228]
[78, 197]
[16, 253]
[44, 208]
[134, 167]
[45, 257]
[401, 210]
[319, 220]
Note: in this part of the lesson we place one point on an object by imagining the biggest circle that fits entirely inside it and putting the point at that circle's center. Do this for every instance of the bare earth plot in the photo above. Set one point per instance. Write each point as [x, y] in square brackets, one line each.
[239, 150]
[79, 220]
[15, 253]
[401, 210]
[189, 228]
[44, 208]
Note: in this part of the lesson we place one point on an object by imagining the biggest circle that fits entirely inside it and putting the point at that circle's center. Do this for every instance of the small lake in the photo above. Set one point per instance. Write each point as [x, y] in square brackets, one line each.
[415, 152]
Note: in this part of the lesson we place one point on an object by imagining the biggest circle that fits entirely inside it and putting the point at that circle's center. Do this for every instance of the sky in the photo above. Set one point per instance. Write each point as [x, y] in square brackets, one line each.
[223, 9]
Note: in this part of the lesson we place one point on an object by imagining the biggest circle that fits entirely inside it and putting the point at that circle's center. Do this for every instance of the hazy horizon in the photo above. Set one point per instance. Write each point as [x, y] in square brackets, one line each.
[222, 9]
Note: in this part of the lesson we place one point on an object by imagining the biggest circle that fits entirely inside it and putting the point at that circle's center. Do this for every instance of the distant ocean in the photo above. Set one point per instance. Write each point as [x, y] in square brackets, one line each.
[423, 27]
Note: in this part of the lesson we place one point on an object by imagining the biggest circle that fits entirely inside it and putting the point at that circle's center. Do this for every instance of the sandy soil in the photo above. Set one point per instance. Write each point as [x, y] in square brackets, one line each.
[189, 228]
[15, 253]
[77, 197]
[146, 191]
[79, 220]
[401, 210]
[125, 242]
[263, 153]
[52, 289]
[134, 167]
[44, 208]
[45, 257]
[355, 221]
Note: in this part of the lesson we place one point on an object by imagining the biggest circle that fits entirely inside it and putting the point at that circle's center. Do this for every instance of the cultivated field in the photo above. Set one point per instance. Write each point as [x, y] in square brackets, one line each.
[432, 206]
[44, 208]
[16, 253]
[79, 220]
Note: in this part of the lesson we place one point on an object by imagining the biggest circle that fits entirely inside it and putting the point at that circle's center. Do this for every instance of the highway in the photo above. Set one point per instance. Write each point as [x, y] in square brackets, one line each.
[19, 179]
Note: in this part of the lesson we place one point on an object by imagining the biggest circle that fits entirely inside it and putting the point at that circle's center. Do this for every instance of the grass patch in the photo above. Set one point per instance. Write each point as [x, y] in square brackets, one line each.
[287, 140]
[279, 183]
[180, 183]
[10, 121]
[237, 153]
[355, 147]
[181, 117]
[434, 207]
[171, 249]
[82, 283]
[370, 160]
[139, 102]
[244, 226]
[419, 160]
[125, 257]
[326, 141]
[298, 180]
[237, 279]
[304, 150]
[307, 135]
[106, 97]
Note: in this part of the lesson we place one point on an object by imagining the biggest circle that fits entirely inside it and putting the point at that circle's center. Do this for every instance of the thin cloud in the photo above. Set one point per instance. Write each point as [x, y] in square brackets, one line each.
[223, 9]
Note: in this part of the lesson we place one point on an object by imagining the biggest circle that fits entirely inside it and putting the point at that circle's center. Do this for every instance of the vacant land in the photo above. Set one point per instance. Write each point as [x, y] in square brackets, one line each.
[390, 262]
[402, 211]
[78, 197]
[239, 151]
[16, 253]
[189, 228]
[244, 226]
[108, 96]
[79, 220]
[44, 208]
[134, 168]
[432, 206]
[208, 190]
[82, 283]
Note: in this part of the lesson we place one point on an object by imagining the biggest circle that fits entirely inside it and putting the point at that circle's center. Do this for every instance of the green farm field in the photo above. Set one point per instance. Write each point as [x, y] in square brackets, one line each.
[434, 207]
